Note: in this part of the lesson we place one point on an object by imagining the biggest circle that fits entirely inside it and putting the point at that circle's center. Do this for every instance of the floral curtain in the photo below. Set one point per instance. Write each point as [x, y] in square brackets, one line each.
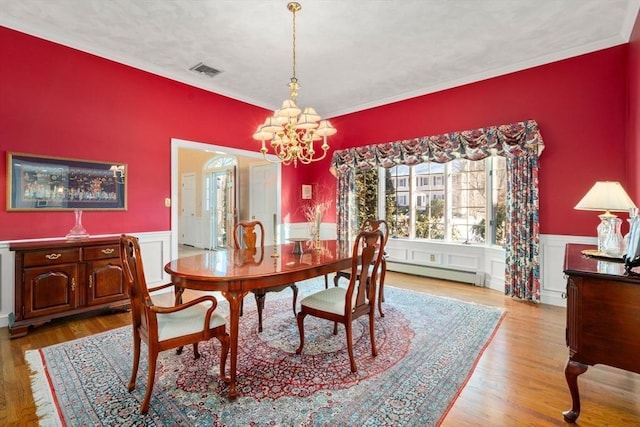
[521, 144]
[347, 220]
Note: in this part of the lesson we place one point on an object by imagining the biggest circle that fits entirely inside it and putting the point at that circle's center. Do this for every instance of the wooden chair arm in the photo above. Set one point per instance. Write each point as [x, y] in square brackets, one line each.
[157, 288]
[157, 309]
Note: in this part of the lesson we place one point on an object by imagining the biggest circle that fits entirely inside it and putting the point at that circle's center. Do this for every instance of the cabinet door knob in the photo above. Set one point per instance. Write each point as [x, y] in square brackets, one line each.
[73, 283]
[53, 256]
[90, 281]
[108, 251]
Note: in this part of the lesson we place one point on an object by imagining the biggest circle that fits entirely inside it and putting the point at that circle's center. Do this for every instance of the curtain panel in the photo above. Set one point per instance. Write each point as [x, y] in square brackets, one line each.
[520, 143]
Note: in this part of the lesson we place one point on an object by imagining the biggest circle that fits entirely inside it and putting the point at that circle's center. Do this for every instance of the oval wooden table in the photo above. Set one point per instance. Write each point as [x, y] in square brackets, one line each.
[236, 272]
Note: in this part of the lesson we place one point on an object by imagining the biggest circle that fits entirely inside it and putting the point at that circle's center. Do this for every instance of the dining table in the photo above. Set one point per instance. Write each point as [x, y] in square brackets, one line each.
[236, 272]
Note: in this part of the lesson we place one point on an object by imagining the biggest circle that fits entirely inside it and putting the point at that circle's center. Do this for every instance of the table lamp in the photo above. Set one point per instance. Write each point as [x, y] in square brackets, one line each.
[607, 196]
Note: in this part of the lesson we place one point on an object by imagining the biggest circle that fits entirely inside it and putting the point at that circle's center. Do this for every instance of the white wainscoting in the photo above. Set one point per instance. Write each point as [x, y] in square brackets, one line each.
[552, 280]
[477, 265]
[482, 266]
[462, 263]
[156, 252]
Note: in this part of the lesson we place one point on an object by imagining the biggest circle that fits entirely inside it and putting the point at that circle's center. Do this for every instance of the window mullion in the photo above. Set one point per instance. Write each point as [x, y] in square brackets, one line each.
[448, 203]
[382, 198]
[412, 203]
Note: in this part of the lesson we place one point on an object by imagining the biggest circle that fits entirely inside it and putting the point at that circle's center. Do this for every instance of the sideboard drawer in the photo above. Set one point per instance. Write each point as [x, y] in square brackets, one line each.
[101, 252]
[52, 256]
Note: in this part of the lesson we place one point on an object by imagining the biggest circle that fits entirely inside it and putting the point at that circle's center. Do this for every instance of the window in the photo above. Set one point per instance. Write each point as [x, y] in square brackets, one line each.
[468, 200]
[460, 201]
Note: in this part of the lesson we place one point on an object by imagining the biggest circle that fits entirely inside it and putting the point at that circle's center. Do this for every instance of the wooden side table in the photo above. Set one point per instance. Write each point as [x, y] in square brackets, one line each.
[603, 317]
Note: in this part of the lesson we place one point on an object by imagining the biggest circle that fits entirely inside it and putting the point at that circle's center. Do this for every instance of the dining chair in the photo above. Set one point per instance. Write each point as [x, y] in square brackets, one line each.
[343, 305]
[163, 328]
[371, 225]
[250, 235]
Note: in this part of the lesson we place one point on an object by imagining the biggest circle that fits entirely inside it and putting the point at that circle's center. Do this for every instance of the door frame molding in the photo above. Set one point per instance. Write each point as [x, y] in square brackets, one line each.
[177, 143]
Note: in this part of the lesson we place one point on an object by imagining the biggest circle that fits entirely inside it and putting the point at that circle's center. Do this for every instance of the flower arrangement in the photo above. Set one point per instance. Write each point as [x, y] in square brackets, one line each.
[314, 211]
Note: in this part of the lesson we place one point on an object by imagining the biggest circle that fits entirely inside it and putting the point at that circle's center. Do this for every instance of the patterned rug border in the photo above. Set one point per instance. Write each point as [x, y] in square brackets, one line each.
[48, 406]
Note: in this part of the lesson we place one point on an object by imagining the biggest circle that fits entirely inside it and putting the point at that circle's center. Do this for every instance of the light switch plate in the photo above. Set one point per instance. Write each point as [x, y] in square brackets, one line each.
[306, 192]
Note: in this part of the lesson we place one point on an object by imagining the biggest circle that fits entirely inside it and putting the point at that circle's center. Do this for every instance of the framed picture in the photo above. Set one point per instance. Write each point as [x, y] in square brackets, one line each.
[36, 183]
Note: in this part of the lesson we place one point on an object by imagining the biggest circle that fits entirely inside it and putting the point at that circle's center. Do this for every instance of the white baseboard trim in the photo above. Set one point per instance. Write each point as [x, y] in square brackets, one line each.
[438, 273]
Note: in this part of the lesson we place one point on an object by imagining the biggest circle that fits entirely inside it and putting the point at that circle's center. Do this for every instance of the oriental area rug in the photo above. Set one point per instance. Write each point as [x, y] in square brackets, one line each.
[428, 347]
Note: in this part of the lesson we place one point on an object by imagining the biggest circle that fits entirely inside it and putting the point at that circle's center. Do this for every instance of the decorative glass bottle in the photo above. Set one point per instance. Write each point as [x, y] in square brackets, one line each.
[78, 231]
[613, 245]
[603, 231]
[633, 212]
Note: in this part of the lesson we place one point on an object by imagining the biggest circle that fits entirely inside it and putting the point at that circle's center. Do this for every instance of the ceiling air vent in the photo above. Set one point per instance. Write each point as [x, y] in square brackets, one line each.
[205, 69]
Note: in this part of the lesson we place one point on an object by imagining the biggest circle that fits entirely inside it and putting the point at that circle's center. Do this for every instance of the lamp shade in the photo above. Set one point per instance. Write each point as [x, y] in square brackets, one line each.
[325, 129]
[606, 196]
[289, 109]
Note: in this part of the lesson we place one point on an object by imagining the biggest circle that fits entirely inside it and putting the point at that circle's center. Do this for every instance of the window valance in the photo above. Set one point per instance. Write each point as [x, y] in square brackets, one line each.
[512, 140]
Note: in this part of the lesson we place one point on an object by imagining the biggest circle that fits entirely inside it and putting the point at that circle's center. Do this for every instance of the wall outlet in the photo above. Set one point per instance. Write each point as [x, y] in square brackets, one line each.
[432, 258]
[167, 202]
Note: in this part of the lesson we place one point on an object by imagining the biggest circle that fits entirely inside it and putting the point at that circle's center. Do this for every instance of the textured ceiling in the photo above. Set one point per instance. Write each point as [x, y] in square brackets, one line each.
[351, 55]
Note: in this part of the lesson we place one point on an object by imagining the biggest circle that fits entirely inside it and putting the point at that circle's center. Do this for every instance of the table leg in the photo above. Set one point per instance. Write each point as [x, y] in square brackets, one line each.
[383, 273]
[571, 371]
[179, 290]
[235, 299]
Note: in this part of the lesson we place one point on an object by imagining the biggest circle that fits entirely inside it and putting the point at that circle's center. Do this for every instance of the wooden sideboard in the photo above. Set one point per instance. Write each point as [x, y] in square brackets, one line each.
[603, 318]
[59, 278]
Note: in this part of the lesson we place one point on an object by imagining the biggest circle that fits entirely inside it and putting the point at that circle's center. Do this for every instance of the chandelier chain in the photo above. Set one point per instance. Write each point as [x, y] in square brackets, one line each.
[291, 131]
[294, 79]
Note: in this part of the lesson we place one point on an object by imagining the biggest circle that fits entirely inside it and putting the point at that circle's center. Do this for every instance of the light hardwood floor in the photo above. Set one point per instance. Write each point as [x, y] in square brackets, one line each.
[519, 381]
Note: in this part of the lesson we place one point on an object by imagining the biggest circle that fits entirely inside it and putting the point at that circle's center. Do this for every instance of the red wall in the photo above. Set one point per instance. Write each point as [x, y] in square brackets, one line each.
[633, 159]
[580, 105]
[61, 102]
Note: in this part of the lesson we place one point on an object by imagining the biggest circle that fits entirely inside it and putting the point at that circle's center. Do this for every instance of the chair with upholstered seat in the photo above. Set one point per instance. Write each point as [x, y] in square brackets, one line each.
[163, 328]
[343, 305]
[371, 225]
[249, 235]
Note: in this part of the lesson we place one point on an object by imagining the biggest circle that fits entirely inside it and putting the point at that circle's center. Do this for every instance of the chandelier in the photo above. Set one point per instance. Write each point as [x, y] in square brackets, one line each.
[292, 133]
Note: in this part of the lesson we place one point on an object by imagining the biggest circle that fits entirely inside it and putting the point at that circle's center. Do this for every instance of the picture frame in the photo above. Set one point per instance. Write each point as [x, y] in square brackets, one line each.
[632, 256]
[44, 183]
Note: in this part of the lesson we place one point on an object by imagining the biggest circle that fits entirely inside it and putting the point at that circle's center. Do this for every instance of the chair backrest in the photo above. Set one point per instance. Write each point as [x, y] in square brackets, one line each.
[134, 277]
[377, 224]
[248, 234]
[361, 291]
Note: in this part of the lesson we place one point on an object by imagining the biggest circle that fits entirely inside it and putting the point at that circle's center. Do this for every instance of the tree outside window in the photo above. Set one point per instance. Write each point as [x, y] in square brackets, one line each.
[446, 202]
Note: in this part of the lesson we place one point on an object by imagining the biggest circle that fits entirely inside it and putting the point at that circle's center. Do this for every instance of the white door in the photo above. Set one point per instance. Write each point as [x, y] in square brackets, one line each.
[188, 212]
[264, 200]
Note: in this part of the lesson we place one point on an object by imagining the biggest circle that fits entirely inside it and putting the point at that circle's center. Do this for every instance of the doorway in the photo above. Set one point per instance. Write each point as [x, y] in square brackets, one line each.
[242, 185]
[220, 200]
